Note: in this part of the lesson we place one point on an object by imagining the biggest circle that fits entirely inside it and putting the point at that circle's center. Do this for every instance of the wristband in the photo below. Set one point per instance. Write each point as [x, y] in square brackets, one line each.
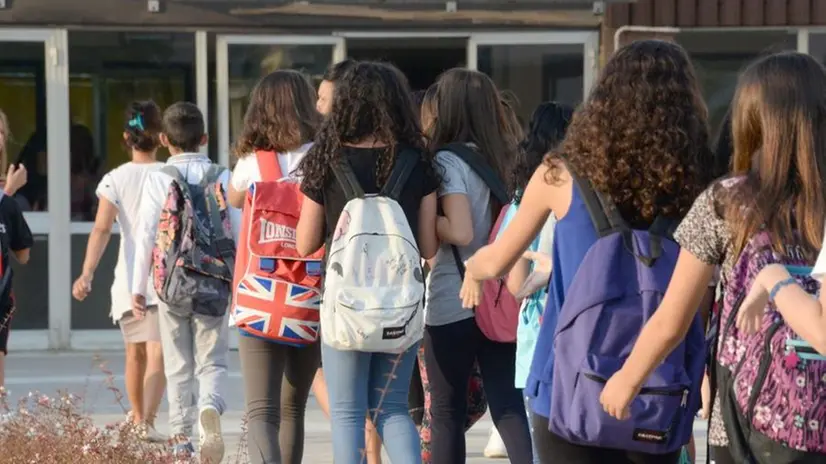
[780, 286]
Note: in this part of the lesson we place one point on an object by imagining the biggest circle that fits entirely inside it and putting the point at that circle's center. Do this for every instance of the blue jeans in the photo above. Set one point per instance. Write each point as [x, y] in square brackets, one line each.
[377, 383]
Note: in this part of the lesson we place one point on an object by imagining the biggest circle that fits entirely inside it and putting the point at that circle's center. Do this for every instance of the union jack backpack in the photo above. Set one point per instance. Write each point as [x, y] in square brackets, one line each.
[194, 251]
[276, 291]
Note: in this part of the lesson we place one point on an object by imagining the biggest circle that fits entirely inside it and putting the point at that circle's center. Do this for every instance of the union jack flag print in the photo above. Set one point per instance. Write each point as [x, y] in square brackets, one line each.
[277, 310]
[257, 287]
[297, 330]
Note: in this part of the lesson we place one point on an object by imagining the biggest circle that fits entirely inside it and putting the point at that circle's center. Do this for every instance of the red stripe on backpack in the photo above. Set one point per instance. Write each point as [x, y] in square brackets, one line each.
[276, 292]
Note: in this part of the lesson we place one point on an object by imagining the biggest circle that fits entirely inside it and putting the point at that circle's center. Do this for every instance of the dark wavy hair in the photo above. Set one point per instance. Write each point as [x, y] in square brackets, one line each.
[723, 148]
[469, 109]
[545, 131]
[372, 102]
[281, 115]
[336, 71]
[779, 133]
[641, 138]
[143, 126]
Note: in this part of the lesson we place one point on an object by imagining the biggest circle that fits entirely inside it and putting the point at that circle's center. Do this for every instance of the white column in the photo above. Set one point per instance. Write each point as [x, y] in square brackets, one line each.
[803, 40]
[202, 76]
[59, 165]
[222, 94]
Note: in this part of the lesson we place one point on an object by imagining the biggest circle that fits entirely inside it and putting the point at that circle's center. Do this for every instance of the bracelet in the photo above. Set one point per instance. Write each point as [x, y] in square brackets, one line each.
[780, 286]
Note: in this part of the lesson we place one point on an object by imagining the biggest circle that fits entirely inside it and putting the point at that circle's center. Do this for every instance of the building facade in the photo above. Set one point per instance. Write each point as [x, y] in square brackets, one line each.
[69, 69]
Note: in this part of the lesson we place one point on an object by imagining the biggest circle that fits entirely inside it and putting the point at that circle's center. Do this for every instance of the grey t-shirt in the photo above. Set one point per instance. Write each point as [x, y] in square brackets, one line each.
[443, 283]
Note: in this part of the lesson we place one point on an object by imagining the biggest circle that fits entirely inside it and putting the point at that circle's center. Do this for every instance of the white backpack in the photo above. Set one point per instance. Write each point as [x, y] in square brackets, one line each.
[373, 287]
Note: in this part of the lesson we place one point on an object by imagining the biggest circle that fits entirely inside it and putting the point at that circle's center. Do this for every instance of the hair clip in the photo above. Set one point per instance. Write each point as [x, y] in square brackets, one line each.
[136, 122]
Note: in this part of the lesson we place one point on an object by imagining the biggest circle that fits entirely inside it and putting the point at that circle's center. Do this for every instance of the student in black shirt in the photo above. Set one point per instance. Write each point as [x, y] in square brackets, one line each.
[371, 122]
[15, 240]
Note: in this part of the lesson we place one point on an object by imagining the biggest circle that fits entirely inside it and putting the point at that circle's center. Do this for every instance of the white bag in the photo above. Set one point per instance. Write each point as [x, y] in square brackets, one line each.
[373, 295]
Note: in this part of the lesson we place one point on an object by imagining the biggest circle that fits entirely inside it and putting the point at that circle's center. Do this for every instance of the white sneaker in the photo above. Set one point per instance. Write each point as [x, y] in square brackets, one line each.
[495, 449]
[211, 449]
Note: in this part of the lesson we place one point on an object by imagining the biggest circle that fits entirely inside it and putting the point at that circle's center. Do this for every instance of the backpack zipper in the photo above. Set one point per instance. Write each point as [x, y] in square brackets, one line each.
[762, 370]
[647, 390]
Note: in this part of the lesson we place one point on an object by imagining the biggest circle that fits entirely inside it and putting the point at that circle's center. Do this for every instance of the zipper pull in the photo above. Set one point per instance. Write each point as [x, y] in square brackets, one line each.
[684, 403]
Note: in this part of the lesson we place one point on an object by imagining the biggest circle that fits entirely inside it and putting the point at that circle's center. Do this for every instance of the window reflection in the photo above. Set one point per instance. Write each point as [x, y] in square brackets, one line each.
[109, 70]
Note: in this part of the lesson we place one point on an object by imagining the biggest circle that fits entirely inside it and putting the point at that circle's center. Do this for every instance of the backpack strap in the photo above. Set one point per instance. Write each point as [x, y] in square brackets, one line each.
[473, 159]
[347, 179]
[268, 165]
[604, 214]
[174, 173]
[405, 164]
[607, 220]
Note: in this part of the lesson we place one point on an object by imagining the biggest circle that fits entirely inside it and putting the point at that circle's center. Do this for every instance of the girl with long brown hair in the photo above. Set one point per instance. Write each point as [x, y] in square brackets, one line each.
[776, 189]
[281, 122]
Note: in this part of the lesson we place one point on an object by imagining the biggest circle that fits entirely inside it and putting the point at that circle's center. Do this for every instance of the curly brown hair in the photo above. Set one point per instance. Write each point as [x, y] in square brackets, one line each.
[641, 138]
[372, 102]
[281, 115]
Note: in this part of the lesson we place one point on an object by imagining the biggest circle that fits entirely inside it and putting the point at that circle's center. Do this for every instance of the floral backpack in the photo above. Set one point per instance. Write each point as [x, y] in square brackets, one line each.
[772, 383]
[194, 252]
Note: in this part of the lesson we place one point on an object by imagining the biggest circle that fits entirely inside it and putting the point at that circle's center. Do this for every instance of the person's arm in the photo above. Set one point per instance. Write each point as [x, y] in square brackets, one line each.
[234, 211]
[98, 239]
[455, 223]
[428, 241]
[540, 198]
[518, 275]
[310, 230]
[803, 313]
[661, 334]
[241, 181]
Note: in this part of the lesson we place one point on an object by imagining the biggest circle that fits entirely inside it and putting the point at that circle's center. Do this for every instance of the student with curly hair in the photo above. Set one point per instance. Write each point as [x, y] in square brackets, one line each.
[653, 161]
[372, 120]
[281, 122]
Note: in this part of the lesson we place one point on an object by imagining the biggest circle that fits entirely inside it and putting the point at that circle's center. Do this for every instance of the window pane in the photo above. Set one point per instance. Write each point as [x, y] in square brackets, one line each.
[719, 58]
[535, 73]
[108, 71]
[23, 99]
[31, 288]
[93, 312]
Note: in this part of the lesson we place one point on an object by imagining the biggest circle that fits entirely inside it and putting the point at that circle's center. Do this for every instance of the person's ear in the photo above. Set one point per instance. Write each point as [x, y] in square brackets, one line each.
[125, 135]
[204, 139]
[164, 140]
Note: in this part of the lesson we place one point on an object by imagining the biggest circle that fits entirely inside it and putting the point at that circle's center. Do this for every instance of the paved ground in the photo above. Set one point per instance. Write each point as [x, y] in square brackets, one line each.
[77, 372]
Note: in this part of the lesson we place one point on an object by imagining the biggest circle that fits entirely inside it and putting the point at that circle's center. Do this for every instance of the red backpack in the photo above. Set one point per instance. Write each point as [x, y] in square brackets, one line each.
[498, 313]
[276, 292]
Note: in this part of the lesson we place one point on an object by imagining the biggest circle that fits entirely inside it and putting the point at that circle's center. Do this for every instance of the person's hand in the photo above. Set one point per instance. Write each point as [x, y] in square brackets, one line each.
[471, 292]
[542, 262]
[16, 178]
[750, 314]
[82, 287]
[138, 306]
[617, 395]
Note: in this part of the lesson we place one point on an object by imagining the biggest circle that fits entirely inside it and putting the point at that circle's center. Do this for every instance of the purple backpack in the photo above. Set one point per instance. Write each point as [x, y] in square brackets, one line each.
[618, 286]
[772, 384]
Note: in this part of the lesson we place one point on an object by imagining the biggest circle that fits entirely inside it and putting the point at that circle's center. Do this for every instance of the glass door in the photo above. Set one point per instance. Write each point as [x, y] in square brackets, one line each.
[34, 95]
[534, 67]
[243, 59]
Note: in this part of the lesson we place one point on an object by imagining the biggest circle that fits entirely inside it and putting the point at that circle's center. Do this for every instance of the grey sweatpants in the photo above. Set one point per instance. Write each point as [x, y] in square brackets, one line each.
[194, 348]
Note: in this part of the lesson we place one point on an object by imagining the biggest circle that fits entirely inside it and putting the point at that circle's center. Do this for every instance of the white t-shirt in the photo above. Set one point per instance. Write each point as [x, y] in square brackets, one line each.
[123, 187]
[246, 169]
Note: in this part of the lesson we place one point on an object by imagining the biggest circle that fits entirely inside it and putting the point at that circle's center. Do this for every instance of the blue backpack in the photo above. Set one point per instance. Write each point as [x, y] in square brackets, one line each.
[618, 286]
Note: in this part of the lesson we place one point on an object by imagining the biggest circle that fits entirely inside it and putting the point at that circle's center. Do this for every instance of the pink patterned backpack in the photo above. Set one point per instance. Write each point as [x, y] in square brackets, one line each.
[772, 384]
